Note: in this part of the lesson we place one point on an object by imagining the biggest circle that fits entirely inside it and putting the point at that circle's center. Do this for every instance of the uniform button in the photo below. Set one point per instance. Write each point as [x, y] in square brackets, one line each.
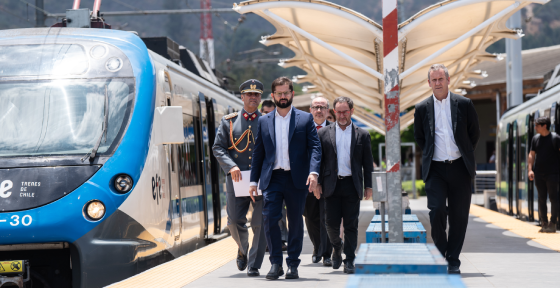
[235, 155]
[249, 165]
[235, 139]
[249, 149]
[249, 126]
[249, 157]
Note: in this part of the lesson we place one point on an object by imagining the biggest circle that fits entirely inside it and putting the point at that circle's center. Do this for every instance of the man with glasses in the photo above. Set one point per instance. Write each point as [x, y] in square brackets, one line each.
[345, 178]
[315, 207]
[544, 147]
[286, 160]
[233, 147]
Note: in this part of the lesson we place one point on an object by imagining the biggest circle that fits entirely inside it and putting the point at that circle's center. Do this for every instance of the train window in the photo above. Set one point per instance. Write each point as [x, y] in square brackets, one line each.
[188, 164]
[61, 117]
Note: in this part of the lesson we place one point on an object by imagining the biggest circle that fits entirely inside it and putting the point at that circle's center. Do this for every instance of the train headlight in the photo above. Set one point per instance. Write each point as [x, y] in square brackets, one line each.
[98, 51]
[95, 210]
[123, 183]
[114, 64]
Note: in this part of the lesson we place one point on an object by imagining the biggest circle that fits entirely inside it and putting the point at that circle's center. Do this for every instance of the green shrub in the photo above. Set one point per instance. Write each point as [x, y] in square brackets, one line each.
[420, 187]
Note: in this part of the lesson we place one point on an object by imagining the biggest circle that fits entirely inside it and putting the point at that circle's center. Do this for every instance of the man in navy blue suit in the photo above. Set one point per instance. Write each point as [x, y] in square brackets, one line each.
[286, 160]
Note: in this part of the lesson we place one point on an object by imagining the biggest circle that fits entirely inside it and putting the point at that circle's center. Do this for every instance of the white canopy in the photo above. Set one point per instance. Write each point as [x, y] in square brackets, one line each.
[342, 50]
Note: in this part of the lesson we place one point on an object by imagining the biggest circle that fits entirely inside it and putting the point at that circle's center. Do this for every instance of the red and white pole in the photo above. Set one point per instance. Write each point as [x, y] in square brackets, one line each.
[392, 118]
[206, 37]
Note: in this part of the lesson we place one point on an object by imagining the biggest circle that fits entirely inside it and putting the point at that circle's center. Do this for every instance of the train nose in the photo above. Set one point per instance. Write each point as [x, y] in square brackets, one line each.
[27, 188]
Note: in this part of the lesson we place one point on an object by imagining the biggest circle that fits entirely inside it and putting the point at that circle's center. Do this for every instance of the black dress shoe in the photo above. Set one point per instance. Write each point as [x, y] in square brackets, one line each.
[292, 273]
[275, 272]
[337, 258]
[253, 272]
[453, 270]
[327, 262]
[284, 246]
[241, 261]
[316, 259]
[349, 267]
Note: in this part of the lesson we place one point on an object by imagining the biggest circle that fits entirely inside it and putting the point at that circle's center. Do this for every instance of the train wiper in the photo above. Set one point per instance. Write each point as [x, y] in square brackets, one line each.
[104, 132]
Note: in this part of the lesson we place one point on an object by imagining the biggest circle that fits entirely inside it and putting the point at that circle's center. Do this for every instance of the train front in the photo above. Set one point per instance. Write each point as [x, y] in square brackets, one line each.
[76, 107]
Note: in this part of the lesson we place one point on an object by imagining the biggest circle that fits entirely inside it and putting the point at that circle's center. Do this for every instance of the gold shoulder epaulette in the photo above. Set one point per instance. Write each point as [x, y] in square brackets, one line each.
[229, 116]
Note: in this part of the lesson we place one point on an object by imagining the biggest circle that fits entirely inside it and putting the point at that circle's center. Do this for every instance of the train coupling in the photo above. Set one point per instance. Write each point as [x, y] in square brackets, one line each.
[12, 273]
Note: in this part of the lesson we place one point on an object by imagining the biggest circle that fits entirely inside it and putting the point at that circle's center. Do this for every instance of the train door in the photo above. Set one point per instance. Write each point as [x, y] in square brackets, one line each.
[529, 132]
[172, 170]
[514, 197]
[206, 170]
[533, 187]
[503, 187]
[219, 196]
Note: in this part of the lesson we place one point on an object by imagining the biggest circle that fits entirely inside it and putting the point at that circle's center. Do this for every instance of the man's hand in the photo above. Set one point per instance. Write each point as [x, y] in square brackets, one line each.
[368, 192]
[253, 192]
[235, 174]
[318, 191]
[312, 182]
[531, 175]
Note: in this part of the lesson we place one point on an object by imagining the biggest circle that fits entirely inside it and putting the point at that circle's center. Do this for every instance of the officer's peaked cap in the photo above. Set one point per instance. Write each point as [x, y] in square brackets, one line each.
[251, 85]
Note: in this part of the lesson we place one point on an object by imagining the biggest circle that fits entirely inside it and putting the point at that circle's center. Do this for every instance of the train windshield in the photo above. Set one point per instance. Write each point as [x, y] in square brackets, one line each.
[61, 117]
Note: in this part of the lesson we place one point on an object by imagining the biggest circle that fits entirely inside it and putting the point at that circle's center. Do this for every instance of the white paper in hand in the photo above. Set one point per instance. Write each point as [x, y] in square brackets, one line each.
[241, 188]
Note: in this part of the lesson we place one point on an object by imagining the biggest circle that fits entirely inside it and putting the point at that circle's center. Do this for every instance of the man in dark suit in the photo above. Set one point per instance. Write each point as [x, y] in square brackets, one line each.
[315, 215]
[345, 177]
[446, 129]
[286, 160]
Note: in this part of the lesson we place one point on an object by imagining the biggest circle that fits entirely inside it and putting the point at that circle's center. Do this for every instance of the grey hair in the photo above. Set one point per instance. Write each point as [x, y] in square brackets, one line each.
[342, 99]
[436, 67]
[328, 107]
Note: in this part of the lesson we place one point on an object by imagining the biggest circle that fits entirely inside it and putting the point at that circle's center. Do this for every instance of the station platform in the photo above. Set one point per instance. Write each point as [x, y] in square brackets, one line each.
[499, 251]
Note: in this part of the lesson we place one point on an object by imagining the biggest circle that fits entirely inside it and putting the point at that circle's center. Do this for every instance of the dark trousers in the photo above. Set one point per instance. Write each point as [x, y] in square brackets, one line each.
[547, 185]
[345, 204]
[315, 220]
[451, 182]
[281, 189]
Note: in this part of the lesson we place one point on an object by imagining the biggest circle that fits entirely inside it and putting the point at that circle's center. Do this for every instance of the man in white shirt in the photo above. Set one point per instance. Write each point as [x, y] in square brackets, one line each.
[314, 212]
[286, 161]
[446, 129]
[345, 178]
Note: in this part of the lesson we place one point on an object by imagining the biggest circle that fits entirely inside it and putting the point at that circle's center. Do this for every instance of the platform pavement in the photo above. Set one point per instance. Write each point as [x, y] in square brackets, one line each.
[492, 257]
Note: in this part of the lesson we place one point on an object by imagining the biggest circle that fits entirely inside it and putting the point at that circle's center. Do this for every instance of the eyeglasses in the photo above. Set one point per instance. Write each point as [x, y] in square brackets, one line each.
[279, 94]
[319, 108]
[346, 112]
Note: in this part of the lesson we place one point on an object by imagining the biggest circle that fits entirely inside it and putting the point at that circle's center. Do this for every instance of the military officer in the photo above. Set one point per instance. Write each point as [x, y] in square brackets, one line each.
[232, 148]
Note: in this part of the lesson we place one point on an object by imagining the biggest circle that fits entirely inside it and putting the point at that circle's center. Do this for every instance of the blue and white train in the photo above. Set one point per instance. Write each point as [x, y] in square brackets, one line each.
[88, 195]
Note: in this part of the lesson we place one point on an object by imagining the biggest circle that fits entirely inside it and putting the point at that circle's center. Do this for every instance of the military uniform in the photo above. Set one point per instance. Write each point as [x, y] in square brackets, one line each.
[234, 146]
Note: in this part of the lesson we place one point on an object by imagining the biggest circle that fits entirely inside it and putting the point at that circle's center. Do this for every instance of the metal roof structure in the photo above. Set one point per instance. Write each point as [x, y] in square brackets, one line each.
[341, 50]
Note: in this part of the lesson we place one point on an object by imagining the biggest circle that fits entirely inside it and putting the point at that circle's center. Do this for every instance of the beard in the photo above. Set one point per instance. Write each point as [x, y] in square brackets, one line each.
[284, 105]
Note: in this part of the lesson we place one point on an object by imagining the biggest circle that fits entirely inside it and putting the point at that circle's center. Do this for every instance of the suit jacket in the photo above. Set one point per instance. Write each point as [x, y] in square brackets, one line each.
[465, 130]
[361, 159]
[304, 149]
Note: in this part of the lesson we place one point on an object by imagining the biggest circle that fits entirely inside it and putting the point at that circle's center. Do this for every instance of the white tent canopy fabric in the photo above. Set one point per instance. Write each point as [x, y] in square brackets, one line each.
[341, 50]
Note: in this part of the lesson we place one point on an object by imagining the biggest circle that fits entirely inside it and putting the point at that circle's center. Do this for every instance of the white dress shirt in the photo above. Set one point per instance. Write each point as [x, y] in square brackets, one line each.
[322, 125]
[343, 144]
[445, 146]
[282, 130]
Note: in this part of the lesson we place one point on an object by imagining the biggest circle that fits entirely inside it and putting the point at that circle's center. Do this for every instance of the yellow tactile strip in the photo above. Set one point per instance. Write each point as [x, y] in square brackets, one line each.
[521, 228]
[185, 269]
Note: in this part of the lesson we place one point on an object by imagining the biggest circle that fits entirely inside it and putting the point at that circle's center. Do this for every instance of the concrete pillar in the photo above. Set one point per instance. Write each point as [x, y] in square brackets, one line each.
[514, 64]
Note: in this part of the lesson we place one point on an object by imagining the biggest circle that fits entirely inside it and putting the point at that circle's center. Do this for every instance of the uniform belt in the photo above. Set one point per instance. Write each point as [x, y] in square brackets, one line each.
[344, 177]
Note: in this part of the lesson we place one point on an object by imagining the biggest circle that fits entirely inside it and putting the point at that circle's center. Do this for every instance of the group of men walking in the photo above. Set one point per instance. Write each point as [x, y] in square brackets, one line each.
[306, 165]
